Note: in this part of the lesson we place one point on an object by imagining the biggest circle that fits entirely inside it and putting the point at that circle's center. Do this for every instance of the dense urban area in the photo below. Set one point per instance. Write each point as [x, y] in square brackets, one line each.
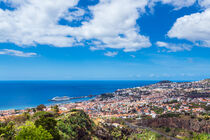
[165, 110]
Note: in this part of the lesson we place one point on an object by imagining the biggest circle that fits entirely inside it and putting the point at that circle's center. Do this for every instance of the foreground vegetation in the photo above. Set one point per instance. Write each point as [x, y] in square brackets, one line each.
[73, 125]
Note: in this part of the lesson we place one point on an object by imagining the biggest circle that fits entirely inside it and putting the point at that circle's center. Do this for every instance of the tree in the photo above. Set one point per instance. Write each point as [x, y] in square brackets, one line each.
[76, 125]
[40, 107]
[56, 109]
[28, 110]
[48, 122]
[34, 110]
[167, 129]
[30, 132]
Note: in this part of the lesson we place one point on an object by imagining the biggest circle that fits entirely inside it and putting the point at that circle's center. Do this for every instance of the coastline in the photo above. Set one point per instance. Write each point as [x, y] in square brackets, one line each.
[75, 100]
[24, 94]
[48, 104]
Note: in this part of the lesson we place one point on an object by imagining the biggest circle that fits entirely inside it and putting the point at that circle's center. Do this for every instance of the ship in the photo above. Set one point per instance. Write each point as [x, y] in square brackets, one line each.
[64, 98]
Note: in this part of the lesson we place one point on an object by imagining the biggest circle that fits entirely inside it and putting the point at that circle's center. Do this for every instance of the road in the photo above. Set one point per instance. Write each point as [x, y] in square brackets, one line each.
[133, 126]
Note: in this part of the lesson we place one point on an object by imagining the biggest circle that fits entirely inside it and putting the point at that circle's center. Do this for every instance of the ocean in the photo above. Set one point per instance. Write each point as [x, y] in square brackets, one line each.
[23, 94]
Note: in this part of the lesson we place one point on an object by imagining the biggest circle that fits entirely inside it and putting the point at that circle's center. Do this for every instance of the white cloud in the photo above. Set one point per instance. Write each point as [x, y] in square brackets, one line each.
[36, 22]
[178, 4]
[16, 53]
[114, 24]
[194, 27]
[174, 47]
[161, 44]
[204, 3]
[111, 54]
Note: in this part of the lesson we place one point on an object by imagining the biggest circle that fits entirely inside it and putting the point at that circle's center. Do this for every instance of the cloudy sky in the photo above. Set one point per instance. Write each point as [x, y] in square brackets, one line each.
[104, 39]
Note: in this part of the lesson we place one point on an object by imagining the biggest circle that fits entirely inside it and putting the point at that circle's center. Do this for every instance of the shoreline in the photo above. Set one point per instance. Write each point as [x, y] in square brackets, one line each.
[71, 101]
[47, 105]
[14, 96]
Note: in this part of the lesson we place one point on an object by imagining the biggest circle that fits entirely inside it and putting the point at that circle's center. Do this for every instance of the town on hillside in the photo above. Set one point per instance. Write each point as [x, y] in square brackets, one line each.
[151, 100]
[165, 110]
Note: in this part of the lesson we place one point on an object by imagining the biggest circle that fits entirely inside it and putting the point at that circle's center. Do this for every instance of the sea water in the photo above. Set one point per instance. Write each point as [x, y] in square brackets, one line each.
[23, 94]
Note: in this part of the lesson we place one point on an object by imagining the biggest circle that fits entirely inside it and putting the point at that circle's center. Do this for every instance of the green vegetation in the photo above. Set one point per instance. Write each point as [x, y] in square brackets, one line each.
[207, 108]
[30, 132]
[168, 115]
[119, 133]
[197, 105]
[177, 106]
[41, 113]
[202, 136]
[76, 124]
[106, 95]
[7, 131]
[195, 136]
[55, 109]
[167, 129]
[145, 135]
[157, 110]
[172, 102]
[48, 126]
[183, 134]
[48, 122]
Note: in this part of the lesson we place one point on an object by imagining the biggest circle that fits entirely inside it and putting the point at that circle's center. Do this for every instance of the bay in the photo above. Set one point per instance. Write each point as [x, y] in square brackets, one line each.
[23, 94]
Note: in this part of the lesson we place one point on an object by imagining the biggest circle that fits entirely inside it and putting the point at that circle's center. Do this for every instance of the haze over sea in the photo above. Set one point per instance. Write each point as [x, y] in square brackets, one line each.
[23, 94]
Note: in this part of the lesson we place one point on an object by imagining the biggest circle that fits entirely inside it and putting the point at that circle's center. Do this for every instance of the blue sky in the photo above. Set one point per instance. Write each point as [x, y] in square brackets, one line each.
[104, 40]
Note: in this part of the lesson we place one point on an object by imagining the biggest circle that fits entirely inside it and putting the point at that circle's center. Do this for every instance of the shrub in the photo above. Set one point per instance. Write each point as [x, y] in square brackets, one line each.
[30, 132]
[7, 131]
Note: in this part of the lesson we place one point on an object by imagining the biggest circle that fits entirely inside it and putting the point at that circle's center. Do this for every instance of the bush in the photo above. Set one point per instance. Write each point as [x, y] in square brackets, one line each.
[30, 132]
[7, 131]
